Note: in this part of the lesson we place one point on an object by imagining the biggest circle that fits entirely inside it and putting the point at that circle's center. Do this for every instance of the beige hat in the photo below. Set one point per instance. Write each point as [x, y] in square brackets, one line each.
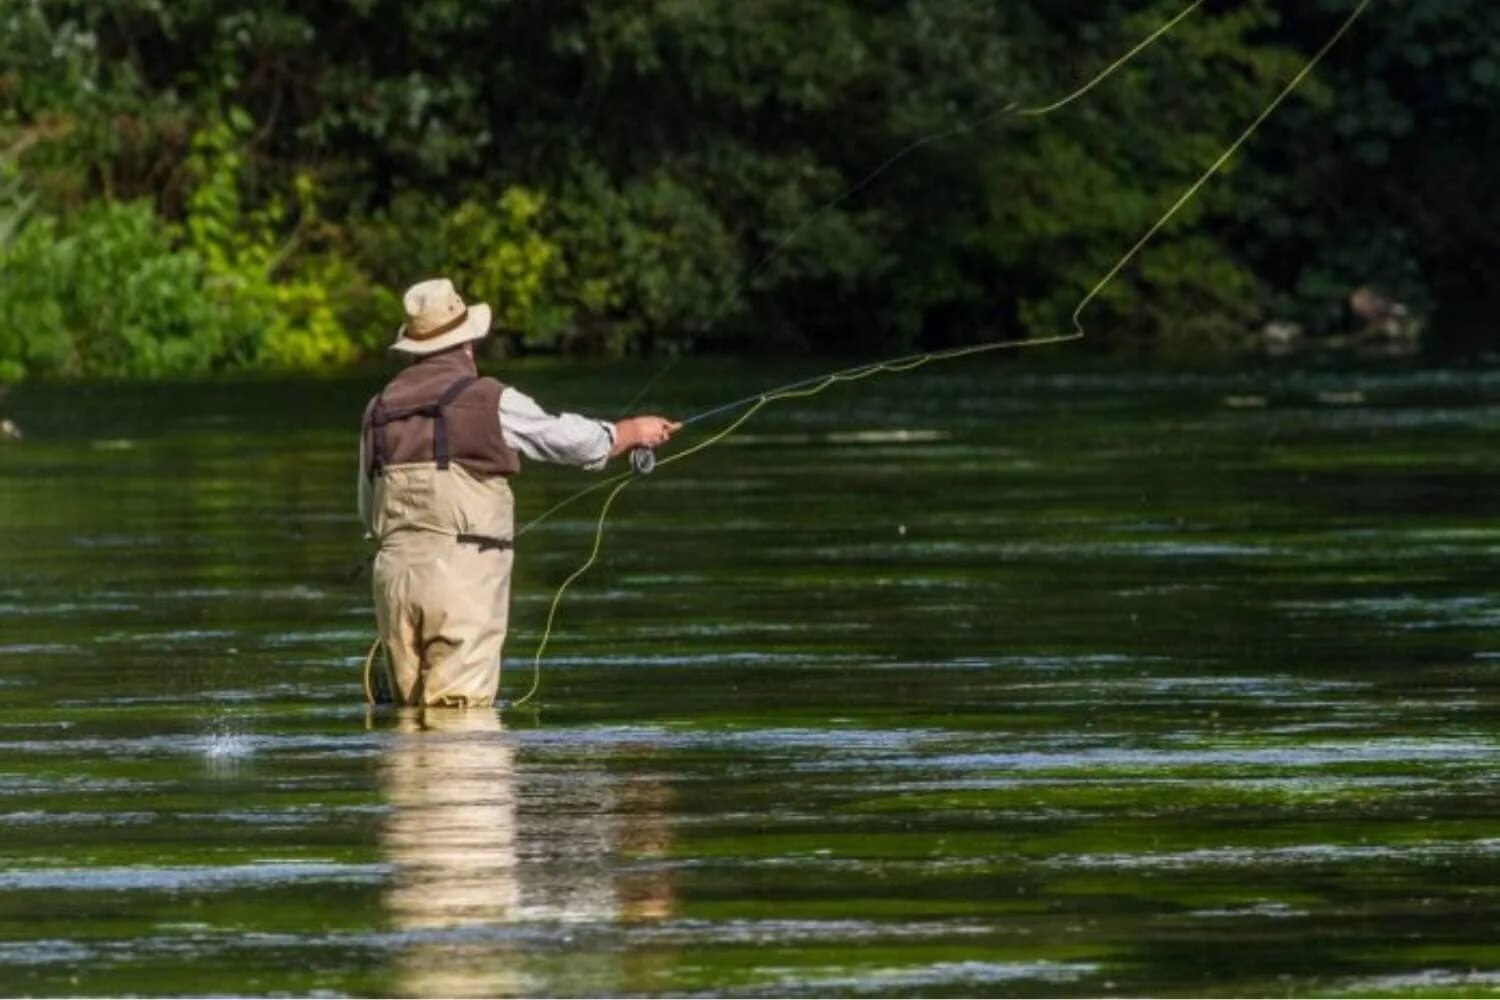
[437, 319]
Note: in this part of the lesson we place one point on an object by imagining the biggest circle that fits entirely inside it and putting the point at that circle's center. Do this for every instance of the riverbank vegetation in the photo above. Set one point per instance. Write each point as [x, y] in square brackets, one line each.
[205, 185]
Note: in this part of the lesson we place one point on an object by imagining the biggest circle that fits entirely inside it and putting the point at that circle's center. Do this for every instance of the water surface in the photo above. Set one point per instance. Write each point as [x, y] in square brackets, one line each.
[978, 680]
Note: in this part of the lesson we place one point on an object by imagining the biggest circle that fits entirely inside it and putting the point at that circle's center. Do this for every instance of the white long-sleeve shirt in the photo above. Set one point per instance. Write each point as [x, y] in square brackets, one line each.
[561, 438]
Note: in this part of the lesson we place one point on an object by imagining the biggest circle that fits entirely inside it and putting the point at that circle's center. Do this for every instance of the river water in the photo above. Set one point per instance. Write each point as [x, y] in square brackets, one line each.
[977, 680]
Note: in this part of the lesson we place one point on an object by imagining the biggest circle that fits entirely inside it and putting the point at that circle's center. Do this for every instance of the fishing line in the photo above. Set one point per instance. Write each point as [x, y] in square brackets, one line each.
[615, 484]
[1011, 109]
[807, 388]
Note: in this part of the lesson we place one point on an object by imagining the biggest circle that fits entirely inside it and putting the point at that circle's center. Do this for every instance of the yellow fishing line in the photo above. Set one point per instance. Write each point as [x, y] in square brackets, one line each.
[566, 501]
[536, 665]
[616, 484]
[906, 365]
[536, 662]
[1109, 71]
[369, 667]
[1218, 164]
[370, 662]
[1011, 109]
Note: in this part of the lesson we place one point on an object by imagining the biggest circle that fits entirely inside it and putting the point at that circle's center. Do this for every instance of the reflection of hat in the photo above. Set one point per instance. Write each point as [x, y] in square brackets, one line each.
[437, 319]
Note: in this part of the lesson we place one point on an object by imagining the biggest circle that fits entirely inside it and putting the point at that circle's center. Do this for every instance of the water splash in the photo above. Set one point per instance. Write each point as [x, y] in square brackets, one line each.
[227, 745]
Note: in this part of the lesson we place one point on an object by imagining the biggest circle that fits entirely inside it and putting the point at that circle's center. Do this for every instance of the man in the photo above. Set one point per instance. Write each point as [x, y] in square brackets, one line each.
[437, 449]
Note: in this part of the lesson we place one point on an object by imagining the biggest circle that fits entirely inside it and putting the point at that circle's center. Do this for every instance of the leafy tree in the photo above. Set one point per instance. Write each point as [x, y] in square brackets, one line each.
[696, 174]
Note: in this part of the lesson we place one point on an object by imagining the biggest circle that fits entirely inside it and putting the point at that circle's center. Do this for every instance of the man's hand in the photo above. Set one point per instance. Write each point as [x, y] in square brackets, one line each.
[641, 432]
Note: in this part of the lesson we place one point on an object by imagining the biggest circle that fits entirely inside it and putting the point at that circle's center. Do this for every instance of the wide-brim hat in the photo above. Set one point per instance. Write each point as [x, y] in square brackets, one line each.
[437, 319]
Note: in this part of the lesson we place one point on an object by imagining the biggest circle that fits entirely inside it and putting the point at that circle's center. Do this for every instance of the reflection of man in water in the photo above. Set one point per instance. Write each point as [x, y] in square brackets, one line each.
[437, 448]
[449, 778]
[480, 845]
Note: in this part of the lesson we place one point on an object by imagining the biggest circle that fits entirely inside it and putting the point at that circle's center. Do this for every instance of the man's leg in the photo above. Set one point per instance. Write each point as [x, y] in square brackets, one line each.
[465, 612]
[398, 624]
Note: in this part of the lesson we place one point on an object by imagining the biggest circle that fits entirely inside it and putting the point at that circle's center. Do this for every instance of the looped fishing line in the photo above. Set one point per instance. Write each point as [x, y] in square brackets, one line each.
[818, 384]
[1011, 109]
[814, 386]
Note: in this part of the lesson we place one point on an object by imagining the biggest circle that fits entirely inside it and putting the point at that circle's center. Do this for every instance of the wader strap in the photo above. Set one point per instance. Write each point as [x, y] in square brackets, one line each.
[378, 420]
[485, 542]
[440, 422]
[380, 416]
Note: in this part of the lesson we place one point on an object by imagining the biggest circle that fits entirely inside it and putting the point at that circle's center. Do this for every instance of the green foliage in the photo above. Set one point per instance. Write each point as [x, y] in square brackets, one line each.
[113, 289]
[495, 249]
[104, 292]
[1393, 184]
[612, 177]
[649, 256]
[1189, 292]
[291, 319]
[500, 256]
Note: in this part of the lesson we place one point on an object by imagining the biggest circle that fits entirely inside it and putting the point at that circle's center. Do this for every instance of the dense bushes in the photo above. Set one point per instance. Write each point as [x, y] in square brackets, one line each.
[103, 291]
[112, 288]
[209, 185]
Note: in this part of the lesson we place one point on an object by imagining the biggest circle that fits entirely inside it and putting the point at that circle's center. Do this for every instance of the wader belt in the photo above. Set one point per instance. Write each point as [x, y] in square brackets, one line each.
[434, 411]
[485, 542]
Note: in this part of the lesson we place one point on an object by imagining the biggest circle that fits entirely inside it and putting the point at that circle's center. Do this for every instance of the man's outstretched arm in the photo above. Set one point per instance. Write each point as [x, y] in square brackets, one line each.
[571, 439]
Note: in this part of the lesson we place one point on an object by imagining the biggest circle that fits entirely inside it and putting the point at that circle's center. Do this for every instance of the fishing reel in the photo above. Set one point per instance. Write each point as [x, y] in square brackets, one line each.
[642, 460]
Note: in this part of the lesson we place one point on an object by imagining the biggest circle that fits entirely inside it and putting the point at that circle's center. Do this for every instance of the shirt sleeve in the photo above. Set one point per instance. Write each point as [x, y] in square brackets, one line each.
[563, 438]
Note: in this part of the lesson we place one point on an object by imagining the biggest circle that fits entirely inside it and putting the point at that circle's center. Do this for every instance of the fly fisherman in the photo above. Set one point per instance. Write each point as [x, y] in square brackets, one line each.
[437, 449]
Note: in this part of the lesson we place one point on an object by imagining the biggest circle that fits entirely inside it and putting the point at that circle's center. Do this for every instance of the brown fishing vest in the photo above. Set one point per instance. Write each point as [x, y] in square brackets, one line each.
[439, 411]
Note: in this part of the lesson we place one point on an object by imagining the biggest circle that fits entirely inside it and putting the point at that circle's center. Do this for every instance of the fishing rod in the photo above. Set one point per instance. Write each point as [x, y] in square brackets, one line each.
[846, 373]
[643, 458]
